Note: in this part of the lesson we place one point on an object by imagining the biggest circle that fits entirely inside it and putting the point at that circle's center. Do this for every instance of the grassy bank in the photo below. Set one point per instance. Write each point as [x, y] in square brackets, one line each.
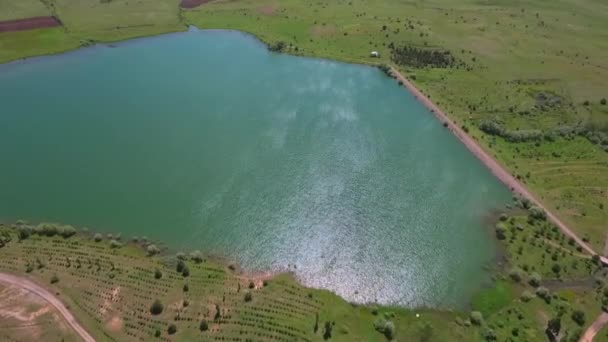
[111, 284]
[535, 70]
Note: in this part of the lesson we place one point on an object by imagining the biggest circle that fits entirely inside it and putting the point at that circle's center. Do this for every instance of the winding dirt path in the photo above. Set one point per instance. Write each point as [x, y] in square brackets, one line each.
[51, 299]
[593, 329]
[501, 173]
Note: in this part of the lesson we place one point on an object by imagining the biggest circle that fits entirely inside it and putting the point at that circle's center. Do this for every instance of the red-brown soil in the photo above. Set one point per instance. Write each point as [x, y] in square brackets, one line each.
[28, 24]
[193, 3]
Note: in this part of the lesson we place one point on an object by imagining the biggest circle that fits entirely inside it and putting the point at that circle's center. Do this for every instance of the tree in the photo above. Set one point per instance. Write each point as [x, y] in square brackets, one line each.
[516, 274]
[196, 256]
[218, 313]
[157, 333]
[153, 250]
[535, 279]
[204, 326]
[251, 285]
[186, 288]
[97, 237]
[556, 268]
[248, 297]
[579, 317]
[172, 329]
[328, 330]
[54, 279]
[158, 274]
[180, 266]
[156, 308]
[476, 318]
[24, 232]
[554, 326]
[186, 271]
[603, 101]
[316, 327]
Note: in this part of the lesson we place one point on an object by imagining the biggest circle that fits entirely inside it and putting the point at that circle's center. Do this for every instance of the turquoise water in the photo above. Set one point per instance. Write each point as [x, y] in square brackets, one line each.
[205, 140]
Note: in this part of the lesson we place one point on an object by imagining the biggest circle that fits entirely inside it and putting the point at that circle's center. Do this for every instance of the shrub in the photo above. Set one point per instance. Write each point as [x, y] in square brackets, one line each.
[67, 231]
[537, 213]
[516, 274]
[180, 266]
[526, 296]
[54, 279]
[204, 326]
[196, 256]
[97, 237]
[543, 293]
[500, 233]
[489, 334]
[158, 274]
[115, 244]
[153, 250]
[492, 127]
[185, 303]
[172, 329]
[476, 318]
[248, 297]
[180, 256]
[579, 317]
[556, 268]
[186, 271]
[328, 330]
[503, 217]
[251, 285]
[603, 101]
[24, 232]
[535, 279]
[157, 333]
[186, 288]
[156, 308]
[385, 327]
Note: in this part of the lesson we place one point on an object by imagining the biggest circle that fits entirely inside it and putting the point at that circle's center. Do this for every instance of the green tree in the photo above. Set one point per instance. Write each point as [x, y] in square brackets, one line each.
[156, 308]
[172, 329]
[204, 326]
[579, 317]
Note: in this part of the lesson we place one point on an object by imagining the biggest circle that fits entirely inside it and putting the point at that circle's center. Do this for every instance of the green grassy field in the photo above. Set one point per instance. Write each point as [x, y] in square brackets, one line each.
[531, 65]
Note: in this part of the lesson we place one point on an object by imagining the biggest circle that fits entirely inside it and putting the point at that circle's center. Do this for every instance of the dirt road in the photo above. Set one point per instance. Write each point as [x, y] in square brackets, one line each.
[51, 299]
[590, 333]
[502, 174]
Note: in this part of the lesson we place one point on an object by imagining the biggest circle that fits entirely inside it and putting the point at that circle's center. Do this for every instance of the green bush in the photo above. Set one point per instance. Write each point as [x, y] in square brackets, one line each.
[97, 237]
[248, 297]
[172, 329]
[526, 296]
[204, 326]
[180, 266]
[196, 256]
[476, 317]
[535, 279]
[54, 279]
[578, 316]
[186, 271]
[153, 250]
[537, 213]
[158, 274]
[516, 274]
[385, 327]
[156, 308]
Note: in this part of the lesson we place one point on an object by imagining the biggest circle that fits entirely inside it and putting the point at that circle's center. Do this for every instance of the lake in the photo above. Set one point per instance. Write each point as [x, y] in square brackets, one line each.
[206, 140]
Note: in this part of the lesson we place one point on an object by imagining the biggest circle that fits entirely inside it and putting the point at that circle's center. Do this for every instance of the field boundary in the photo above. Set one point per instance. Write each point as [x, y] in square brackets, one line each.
[29, 24]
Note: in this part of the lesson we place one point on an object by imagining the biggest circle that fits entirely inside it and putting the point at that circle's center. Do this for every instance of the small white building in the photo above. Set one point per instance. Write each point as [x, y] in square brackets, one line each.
[374, 54]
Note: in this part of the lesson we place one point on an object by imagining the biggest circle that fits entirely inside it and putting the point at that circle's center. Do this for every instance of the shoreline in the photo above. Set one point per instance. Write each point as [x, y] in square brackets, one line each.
[488, 161]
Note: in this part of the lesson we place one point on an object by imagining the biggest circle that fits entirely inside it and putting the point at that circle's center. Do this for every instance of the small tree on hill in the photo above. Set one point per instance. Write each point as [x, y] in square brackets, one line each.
[204, 326]
[579, 317]
[158, 274]
[248, 297]
[156, 308]
[172, 329]
[97, 237]
[328, 330]
[603, 101]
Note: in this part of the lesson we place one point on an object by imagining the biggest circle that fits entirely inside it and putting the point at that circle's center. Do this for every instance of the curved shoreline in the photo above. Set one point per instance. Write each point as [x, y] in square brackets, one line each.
[492, 164]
